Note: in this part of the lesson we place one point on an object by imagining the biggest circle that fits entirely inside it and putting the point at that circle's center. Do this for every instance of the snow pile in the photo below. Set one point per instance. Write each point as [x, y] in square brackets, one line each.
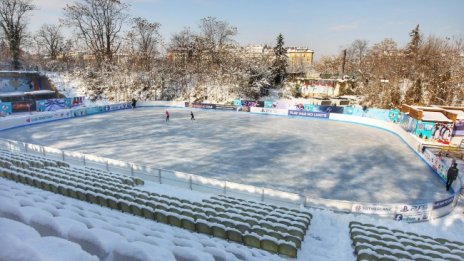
[89, 232]
[67, 84]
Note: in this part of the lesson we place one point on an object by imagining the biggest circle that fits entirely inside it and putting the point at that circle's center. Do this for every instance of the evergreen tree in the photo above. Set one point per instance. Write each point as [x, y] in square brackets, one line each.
[414, 93]
[414, 43]
[279, 67]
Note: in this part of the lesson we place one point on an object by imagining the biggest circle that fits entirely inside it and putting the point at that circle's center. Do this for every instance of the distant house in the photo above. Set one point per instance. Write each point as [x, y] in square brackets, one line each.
[300, 60]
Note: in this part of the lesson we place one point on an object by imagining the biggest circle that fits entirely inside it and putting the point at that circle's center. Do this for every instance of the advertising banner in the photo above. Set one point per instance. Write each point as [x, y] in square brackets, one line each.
[308, 107]
[458, 128]
[382, 210]
[407, 123]
[23, 106]
[425, 129]
[253, 103]
[226, 107]
[393, 115]
[77, 101]
[330, 109]
[119, 106]
[202, 105]
[443, 203]
[268, 104]
[436, 162]
[6, 108]
[269, 111]
[238, 102]
[323, 115]
[442, 132]
[50, 105]
[47, 117]
[413, 213]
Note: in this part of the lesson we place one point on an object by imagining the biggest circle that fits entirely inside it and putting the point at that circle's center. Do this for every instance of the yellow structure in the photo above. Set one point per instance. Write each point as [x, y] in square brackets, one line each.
[300, 60]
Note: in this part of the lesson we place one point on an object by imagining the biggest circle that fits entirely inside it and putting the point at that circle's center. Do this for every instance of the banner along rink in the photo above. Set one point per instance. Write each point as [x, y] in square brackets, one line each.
[314, 157]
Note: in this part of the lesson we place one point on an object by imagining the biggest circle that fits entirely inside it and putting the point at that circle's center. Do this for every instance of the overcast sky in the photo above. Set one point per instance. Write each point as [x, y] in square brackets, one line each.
[324, 26]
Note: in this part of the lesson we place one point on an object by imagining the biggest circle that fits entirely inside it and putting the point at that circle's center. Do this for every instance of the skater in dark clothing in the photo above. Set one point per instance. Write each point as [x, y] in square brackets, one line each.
[167, 116]
[134, 102]
[451, 175]
[192, 118]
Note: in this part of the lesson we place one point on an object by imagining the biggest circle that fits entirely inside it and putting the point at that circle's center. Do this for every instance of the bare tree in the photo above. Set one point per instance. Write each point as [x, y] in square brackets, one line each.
[146, 36]
[99, 22]
[50, 37]
[328, 66]
[13, 22]
[183, 39]
[358, 50]
[216, 35]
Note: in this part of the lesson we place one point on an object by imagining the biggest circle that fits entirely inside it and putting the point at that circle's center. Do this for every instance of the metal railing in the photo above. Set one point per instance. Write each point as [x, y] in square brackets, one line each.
[215, 186]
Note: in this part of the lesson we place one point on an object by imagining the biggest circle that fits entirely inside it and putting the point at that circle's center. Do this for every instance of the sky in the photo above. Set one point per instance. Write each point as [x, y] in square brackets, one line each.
[326, 27]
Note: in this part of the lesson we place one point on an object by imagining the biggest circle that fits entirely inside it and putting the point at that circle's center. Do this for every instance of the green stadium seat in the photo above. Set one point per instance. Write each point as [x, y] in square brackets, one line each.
[112, 203]
[135, 210]
[148, 213]
[243, 227]
[188, 223]
[296, 232]
[91, 198]
[202, 227]
[294, 240]
[161, 217]
[102, 200]
[251, 240]
[234, 235]
[71, 191]
[288, 250]
[124, 206]
[188, 213]
[219, 231]
[269, 245]
[174, 220]
[138, 182]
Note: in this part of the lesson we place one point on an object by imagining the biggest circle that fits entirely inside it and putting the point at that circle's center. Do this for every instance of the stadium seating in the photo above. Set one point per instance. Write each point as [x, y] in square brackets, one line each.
[69, 229]
[380, 243]
[255, 224]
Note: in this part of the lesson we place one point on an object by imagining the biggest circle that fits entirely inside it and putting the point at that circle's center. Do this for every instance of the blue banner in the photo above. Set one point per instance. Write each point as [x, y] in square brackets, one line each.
[6, 108]
[268, 104]
[323, 115]
[425, 129]
[68, 103]
[50, 105]
[238, 102]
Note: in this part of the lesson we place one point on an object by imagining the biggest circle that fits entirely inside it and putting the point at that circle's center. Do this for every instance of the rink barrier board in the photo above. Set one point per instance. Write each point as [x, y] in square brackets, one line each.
[398, 211]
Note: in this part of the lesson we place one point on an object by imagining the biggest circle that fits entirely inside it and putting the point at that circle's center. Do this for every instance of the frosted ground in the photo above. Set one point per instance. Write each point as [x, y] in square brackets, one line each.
[320, 158]
[121, 233]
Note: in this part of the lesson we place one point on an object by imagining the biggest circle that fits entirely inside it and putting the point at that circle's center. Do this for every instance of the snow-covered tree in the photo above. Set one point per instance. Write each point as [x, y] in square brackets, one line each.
[99, 23]
[13, 21]
[50, 37]
[279, 67]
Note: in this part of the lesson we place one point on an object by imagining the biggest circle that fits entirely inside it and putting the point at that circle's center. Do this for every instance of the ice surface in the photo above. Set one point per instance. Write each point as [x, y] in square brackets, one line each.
[317, 158]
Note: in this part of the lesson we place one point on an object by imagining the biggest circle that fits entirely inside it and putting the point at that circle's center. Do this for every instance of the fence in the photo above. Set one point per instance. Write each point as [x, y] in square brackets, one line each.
[399, 211]
[411, 213]
[162, 176]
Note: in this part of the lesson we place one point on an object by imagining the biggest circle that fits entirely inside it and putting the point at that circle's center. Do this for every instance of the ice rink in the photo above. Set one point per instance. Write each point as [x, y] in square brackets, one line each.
[320, 158]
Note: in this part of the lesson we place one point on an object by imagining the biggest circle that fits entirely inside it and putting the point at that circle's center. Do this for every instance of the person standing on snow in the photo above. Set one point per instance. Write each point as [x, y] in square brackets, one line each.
[451, 175]
[192, 118]
[167, 116]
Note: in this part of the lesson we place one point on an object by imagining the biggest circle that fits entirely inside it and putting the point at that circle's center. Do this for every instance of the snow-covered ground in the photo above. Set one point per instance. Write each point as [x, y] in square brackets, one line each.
[318, 158]
[63, 221]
